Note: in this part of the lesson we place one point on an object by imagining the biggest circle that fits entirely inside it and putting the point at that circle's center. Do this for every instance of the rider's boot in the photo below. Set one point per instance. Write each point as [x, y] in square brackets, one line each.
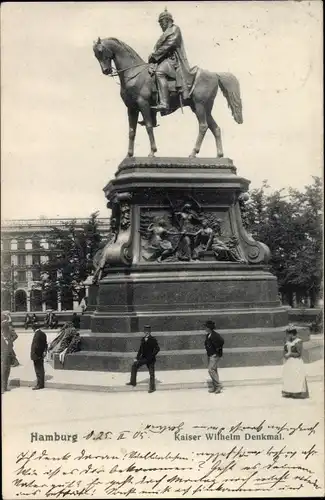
[163, 93]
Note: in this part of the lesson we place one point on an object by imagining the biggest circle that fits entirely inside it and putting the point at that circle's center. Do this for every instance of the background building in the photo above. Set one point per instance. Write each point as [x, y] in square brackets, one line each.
[24, 246]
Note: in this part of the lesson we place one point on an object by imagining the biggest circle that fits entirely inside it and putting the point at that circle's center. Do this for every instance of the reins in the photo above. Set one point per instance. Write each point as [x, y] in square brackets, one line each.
[118, 71]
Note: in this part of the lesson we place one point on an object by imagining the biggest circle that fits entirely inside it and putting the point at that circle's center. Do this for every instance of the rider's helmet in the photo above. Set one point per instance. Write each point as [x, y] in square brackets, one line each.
[165, 15]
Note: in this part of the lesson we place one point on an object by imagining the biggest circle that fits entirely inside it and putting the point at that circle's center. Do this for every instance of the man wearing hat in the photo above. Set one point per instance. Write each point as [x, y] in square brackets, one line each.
[169, 60]
[6, 352]
[147, 353]
[213, 344]
[37, 353]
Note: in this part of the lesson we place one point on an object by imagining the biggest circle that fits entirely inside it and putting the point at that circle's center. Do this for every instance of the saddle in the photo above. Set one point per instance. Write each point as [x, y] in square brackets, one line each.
[175, 84]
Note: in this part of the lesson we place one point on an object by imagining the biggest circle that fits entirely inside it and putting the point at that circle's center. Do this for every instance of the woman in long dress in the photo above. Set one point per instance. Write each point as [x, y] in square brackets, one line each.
[294, 375]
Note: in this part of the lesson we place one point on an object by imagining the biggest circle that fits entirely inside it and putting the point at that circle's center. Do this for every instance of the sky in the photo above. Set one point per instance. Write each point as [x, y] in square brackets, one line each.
[64, 128]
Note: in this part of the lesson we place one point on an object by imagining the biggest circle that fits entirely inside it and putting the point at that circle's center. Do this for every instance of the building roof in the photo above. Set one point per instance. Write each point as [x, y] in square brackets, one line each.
[43, 224]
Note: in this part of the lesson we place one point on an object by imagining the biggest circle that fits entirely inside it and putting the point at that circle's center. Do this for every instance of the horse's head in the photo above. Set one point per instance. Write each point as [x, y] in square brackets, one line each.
[104, 56]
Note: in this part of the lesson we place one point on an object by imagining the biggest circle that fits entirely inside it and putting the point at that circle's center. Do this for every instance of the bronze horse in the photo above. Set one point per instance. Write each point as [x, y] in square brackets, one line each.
[137, 93]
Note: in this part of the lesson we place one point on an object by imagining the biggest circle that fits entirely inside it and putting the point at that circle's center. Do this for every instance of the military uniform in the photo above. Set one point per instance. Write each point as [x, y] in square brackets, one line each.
[170, 56]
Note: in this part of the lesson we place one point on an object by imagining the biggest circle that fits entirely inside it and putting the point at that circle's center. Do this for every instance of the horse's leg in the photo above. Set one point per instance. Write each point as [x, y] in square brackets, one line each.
[147, 117]
[200, 113]
[133, 114]
[215, 129]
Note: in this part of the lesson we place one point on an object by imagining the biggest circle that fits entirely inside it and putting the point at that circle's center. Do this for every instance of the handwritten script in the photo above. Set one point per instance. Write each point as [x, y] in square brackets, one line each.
[129, 463]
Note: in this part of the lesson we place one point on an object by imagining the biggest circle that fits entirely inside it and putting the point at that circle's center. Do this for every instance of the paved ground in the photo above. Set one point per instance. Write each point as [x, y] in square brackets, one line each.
[115, 431]
[124, 417]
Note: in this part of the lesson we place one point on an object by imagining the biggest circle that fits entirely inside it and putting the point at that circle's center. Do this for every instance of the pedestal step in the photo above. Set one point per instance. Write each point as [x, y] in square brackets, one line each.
[184, 359]
[245, 337]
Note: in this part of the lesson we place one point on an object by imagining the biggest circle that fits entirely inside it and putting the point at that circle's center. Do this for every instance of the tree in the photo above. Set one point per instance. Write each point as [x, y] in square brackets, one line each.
[70, 261]
[291, 226]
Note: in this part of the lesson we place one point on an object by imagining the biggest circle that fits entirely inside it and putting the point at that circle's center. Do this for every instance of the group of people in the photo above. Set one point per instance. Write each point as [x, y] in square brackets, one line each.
[8, 355]
[294, 376]
[51, 320]
[68, 341]
[149, 348]
[30, 320]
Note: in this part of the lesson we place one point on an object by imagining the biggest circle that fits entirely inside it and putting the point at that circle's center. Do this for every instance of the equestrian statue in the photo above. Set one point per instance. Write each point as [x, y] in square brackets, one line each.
[166, 83]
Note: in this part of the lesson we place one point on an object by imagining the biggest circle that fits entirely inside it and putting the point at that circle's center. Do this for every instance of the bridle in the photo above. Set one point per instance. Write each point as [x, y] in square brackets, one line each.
[116, 72]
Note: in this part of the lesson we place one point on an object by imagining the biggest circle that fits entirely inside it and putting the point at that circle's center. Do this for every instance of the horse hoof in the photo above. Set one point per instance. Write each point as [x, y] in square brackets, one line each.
[129, 155]
[220, 155]
[151, 155]
[192, 155]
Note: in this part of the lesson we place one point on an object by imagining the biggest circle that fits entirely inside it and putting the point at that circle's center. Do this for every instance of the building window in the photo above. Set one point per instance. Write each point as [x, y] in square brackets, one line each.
[53, 244]
[6, 273]
[36, 300]
[36, 275]
[6, 245]
[20, 300]
[36, 260]
[13, 245]
[6, 259]
[21, 260]
[21, 244]
[21, 276]
[44, 244]
[29, 244]
[36, 244]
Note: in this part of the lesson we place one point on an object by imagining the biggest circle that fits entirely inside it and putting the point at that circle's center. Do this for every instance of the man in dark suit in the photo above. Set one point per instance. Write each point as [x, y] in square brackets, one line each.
[6, 352]
[76, 321]
[147, 353]
[213, 344]
[37, 353]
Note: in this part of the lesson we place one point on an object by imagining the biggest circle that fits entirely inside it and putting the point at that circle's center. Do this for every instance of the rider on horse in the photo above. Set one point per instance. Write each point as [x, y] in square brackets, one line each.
[169, 60]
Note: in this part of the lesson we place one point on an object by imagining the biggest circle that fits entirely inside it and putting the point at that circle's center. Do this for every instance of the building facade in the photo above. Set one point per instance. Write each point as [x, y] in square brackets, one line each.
[24, 247]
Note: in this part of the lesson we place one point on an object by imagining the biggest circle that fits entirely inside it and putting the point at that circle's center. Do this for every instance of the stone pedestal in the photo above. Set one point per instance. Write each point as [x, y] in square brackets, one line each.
[181, 256]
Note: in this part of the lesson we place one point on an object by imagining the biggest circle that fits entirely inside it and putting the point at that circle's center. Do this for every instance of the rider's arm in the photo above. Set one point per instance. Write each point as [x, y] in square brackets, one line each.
[171, 42]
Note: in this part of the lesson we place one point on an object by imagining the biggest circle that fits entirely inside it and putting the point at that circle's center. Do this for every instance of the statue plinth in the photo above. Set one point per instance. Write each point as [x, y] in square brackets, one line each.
[181, 255]
[159, 187]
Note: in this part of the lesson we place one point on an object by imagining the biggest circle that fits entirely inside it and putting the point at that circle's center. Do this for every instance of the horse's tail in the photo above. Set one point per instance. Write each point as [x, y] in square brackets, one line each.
[229, 86]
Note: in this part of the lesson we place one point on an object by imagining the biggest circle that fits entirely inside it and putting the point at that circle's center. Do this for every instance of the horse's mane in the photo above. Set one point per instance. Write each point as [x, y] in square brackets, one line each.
[127, 47]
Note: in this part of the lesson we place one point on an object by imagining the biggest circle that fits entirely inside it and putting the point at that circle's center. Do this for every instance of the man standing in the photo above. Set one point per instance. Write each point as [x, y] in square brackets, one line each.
[6, 353]
[76, 321]
[38, 351]
[213, 344]
[147, 353]
[169, 60]
[54, 322]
